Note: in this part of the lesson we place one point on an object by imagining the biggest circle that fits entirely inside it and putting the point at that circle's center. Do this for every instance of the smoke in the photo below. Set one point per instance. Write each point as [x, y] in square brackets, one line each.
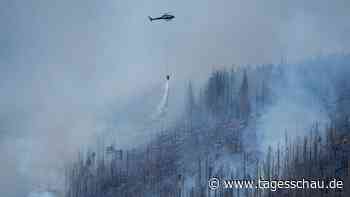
[67, 65]
[296, 108]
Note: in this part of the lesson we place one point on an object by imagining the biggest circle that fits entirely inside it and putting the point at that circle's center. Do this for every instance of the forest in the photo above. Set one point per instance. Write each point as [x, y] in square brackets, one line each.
[273, 122]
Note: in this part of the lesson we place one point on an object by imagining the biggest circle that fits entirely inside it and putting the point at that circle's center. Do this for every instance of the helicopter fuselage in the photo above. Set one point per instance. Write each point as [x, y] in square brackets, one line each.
[166, 17]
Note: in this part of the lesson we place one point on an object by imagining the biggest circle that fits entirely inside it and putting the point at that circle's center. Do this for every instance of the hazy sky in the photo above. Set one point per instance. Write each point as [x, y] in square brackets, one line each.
[62, 62]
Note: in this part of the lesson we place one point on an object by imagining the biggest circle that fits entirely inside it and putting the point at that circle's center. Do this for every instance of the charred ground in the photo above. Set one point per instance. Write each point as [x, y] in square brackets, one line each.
[221, 134]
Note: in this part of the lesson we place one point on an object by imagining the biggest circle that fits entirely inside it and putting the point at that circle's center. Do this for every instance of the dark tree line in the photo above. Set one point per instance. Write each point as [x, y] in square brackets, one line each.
[209, 141]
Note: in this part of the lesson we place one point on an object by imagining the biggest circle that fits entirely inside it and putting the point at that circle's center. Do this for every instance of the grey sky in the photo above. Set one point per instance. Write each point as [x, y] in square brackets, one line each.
[62, 62]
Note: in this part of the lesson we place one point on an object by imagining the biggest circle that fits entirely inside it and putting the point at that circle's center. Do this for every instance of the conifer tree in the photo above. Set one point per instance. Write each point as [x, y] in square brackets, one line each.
[244, 105]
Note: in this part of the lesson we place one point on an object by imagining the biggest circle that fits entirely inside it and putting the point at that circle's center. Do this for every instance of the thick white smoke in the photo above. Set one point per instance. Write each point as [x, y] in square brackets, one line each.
[61, 72]
[295, 111]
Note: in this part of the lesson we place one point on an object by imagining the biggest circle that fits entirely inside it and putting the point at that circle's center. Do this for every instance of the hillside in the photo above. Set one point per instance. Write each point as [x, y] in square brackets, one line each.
[285, 121]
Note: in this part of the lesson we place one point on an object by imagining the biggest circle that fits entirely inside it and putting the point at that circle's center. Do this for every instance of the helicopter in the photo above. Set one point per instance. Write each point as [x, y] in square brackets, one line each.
[165, 16]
